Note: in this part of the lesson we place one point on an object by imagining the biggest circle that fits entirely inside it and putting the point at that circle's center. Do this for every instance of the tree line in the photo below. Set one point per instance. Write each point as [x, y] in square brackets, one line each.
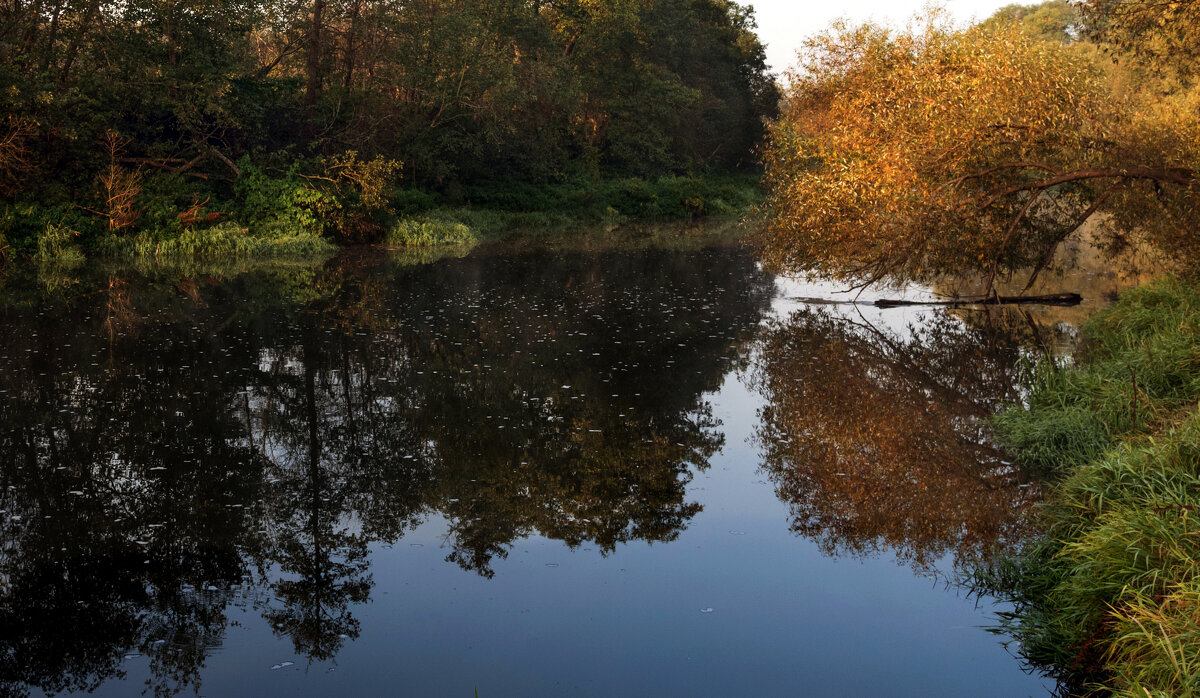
[128, 115]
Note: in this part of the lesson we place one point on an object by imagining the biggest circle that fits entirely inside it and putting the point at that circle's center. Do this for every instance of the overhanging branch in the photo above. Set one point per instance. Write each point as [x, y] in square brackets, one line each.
[1179, 176]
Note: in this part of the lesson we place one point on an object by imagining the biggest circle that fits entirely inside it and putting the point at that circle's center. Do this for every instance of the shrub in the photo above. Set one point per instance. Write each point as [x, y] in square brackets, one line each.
[408, 202]
[280, 206]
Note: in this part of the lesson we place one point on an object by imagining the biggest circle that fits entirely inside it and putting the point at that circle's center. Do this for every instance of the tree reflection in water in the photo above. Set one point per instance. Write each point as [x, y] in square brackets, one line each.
[172, 447]
[876, 439]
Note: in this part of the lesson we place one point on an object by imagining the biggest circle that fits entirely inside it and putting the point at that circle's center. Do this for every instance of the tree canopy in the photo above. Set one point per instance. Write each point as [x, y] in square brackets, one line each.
[1164, 35]
[938, 149]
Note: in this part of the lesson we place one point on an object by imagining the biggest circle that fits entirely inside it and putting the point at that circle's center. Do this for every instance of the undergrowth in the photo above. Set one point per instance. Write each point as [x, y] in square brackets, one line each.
[498, 210]
[219, 241]
[430, 231]
[288, 213]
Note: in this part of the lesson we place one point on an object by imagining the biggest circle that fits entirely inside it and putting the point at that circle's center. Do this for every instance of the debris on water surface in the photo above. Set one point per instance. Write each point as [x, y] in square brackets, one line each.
[281, 665]
[737, 533]
[551, 564]
[706, 610]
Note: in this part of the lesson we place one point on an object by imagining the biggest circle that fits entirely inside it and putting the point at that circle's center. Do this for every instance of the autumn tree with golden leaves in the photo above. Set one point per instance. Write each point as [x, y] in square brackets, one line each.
[931, 150]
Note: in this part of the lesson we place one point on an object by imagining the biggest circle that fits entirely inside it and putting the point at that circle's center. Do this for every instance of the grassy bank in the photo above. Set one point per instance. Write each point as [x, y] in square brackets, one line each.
[1108, 599]
[495, 211]
[286, 214]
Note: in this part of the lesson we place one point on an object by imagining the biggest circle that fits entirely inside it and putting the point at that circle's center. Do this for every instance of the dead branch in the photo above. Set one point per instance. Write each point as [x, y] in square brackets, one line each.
[221, 156]
[1060, 299]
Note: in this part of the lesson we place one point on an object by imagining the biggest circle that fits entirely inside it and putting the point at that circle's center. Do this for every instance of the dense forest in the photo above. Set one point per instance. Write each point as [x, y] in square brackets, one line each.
[160, 120]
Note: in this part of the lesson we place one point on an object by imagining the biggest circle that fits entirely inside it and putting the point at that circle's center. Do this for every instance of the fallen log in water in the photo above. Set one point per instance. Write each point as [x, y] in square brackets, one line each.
[1063, 299]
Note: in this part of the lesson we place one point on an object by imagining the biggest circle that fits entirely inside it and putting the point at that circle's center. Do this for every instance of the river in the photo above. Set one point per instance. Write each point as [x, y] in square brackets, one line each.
[623, 466]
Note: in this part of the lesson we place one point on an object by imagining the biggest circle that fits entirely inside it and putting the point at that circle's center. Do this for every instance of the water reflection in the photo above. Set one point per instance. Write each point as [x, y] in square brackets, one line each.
[176, 445]
[876, 438]
[181, 447]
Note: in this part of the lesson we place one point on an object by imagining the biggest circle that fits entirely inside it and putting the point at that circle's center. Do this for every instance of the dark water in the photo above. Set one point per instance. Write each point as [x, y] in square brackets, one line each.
[528, 471]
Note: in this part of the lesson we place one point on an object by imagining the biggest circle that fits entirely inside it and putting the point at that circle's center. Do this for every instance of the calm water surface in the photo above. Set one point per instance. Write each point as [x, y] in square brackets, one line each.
[532, 470]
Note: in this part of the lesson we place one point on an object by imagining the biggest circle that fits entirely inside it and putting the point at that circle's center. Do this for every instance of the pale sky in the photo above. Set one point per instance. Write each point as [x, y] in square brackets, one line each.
[784, 24]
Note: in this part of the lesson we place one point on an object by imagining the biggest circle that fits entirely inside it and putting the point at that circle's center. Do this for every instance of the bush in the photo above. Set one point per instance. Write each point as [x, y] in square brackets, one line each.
[408, 202]
[281, 206]
[664, 197]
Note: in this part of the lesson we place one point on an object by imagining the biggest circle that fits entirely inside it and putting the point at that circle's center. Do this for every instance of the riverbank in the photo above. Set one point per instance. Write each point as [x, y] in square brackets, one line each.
[1107, 598]
[496, 212]
[264, 217]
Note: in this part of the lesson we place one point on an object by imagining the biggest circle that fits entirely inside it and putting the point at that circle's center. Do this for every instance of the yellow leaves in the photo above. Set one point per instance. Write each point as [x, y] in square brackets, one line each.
[891, 117]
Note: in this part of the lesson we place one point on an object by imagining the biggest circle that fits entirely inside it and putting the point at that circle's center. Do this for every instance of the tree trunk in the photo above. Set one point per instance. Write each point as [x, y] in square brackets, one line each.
[313, 87]
[352, 46]
[1063, 299]
[73, 49]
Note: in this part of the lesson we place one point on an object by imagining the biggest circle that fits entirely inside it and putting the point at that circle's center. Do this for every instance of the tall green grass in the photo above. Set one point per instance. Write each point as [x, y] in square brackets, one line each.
[226, 240]
[1109, 598]
[1142, 367]
[56, 246]
[430, 231]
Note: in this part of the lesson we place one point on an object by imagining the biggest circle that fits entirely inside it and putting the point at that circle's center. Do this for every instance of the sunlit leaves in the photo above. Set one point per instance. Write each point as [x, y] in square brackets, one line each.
[939, 149]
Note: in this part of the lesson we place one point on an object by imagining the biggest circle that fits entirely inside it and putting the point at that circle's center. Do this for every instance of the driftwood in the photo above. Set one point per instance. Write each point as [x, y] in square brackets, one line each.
[1063, 299]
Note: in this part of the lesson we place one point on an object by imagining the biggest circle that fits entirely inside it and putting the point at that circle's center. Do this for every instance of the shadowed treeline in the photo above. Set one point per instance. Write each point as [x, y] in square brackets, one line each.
[254, 129]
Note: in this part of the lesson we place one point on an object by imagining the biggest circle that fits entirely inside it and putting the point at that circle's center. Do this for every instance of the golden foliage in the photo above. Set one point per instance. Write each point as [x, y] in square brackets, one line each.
[934, 149]
[15, 157]
[371, 178]
[1164, 36]
[119, 186]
